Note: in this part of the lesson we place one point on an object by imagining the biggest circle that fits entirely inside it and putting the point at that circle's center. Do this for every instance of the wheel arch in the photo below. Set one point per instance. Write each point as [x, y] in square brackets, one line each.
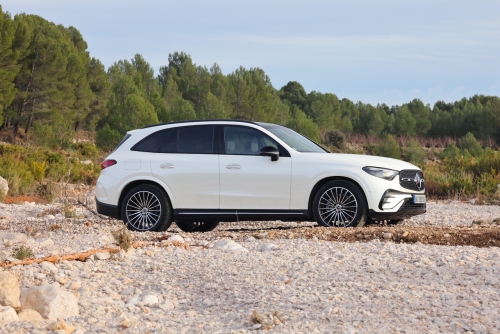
[135, 183]
[325, 180]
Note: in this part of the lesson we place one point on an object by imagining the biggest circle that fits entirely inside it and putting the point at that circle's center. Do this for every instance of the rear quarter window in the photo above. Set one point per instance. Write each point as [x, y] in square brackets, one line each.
[153, 142]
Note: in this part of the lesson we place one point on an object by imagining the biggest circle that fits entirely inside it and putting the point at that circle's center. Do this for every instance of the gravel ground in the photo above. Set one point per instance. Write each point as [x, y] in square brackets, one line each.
[284, 274]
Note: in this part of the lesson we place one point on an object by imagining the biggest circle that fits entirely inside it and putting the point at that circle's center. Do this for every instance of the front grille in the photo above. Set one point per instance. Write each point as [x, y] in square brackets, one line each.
[407, 180]
[408, 204]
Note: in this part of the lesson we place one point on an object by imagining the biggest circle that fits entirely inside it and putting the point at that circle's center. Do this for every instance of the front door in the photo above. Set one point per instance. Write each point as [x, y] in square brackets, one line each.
[249, 180]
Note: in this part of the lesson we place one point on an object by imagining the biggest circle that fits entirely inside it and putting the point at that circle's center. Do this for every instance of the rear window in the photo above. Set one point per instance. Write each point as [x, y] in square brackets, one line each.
[127, 136]
[153, 142]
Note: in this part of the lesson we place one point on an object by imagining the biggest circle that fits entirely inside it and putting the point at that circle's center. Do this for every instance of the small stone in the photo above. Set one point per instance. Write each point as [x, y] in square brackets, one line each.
[46, 242]
[149, 300]
[88, 224]
[227, 244]
[102, 255]
[478, 222]
[61, 325]
[387, 235]
[446, 235]
[176, 238]
[267, 247]
[29, 315]
[75, 286]
[167, 305]
[48, 266]
[405, 234]
[9, 290]
[8, 314]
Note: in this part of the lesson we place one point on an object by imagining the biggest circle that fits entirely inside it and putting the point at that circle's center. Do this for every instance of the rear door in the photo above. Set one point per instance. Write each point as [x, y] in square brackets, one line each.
[187, 162]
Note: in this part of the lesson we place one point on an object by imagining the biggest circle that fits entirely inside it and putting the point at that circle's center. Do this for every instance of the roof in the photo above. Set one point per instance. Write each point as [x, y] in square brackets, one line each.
[203, 120]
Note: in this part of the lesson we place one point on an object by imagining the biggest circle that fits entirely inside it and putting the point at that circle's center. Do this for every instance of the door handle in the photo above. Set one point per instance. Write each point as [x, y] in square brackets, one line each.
[233, 166]
[167, 165]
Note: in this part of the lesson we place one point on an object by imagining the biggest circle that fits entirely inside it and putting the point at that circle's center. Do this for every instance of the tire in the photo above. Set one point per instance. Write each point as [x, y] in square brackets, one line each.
[190, 226]
[330, 205]
[146, 208]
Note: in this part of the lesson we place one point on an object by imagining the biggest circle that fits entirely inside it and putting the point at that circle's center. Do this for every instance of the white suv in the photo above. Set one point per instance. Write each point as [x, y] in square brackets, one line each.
[198, 173]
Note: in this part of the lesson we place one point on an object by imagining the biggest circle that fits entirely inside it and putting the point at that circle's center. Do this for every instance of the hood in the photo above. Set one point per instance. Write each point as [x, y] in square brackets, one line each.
[363, 160]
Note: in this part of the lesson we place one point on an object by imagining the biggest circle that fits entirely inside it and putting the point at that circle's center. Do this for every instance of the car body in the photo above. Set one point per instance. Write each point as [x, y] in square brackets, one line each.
[226, 170]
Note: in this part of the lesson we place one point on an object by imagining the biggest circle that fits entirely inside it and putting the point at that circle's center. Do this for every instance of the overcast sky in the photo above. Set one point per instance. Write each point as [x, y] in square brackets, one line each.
[388, 51]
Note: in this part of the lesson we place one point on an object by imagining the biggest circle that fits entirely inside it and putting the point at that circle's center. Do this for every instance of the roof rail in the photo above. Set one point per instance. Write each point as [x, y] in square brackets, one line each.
[201, 120]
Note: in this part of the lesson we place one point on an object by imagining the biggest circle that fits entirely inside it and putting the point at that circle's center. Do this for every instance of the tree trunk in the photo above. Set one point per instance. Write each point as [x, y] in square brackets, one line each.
[76, 125]
[28, 125]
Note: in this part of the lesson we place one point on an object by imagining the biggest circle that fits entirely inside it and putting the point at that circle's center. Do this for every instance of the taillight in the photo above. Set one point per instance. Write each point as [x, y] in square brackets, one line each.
[107, 163]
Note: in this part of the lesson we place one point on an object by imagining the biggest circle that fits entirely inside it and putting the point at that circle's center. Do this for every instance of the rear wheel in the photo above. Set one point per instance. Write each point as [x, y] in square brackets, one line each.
[340, 204]
[190, 226]
[146, 208]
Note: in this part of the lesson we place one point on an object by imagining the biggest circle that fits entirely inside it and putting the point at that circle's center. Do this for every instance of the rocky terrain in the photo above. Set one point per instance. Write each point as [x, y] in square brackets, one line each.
[438, 272]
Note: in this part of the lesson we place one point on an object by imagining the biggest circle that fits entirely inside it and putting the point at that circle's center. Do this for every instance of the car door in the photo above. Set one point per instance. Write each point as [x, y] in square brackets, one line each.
[249, 180]
[188, 164]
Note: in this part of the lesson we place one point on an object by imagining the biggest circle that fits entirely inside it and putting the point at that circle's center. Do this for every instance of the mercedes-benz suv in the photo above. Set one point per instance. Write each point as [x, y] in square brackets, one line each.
[199, 173]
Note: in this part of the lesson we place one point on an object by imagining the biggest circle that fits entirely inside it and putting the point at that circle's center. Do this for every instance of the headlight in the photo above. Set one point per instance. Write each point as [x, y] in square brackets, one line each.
[383, 173]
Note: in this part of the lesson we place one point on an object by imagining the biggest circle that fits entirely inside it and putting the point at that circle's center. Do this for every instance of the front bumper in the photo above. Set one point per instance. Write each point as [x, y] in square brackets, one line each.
[408, 209]
[108, 209]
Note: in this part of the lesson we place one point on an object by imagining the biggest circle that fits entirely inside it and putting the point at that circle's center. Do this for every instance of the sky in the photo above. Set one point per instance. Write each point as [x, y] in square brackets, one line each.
[384, 51]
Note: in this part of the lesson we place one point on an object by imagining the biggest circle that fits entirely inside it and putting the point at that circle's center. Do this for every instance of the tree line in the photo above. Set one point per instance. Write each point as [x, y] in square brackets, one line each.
[51, 87]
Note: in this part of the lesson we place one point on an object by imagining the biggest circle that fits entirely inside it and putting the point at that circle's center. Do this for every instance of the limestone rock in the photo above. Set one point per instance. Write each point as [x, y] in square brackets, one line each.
[16, 237]
[48, 266]
[62, 326]
[176, 238]
[50, 301]
[29, 315]
[267, 247]
[227, 244]
[102, 255]
[4, 187]
[8, 314]
[9, 290]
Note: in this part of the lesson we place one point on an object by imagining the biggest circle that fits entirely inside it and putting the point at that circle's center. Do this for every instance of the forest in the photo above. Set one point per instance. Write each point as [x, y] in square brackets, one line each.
[51, 88]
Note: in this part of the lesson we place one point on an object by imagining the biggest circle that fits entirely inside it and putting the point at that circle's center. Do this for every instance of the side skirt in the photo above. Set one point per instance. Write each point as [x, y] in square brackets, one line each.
[232, 215]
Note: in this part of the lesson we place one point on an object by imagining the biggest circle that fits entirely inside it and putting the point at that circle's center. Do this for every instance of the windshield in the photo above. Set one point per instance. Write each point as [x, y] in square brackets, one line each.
[295, 140]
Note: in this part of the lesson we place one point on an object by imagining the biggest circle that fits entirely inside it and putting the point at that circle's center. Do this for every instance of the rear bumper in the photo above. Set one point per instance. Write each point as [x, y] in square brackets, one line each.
[407, 210]
[108, 210]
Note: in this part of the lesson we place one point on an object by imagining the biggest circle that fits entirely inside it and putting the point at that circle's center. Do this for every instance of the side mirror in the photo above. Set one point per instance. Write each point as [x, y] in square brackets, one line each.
[270, 151]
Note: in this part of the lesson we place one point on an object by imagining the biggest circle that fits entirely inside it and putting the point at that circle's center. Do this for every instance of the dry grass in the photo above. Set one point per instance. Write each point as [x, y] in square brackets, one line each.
[123, 238]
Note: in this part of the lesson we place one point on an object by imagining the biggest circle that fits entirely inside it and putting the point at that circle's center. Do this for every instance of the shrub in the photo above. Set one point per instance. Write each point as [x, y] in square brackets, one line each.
[414, 153]
[107, 138]
[22, 253]
[335, 138]
[123, 238]
[470, 143]
[389, 148]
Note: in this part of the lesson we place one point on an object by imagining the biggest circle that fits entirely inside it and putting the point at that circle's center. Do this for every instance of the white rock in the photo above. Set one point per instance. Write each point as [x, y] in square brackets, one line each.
[29, 315]
[46, 242]
[387, 235]
[149, 300]
[50, 217]
[102, 255]
[16, 237]
[86, 162]
[48, 266]
[267, 247]
[176, 238]
[167, 305]
[9, 290]
[50, 301]
[227, 244]
[4, 187]
[7, 314]
[133, 301]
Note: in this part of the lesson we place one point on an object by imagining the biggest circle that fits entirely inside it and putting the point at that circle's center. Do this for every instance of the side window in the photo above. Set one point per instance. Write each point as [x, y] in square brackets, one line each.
[246, 141]
[190, 139]
[152, 142]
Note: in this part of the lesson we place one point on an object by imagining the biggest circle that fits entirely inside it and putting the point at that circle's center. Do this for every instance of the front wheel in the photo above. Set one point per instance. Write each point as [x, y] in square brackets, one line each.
[146, 208]
[340, 204]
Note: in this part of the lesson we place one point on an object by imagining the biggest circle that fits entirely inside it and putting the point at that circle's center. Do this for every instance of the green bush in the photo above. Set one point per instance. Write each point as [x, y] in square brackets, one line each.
[414, 153]
[389, 148]
[108, 138]
[470, 143]
[335, 138]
